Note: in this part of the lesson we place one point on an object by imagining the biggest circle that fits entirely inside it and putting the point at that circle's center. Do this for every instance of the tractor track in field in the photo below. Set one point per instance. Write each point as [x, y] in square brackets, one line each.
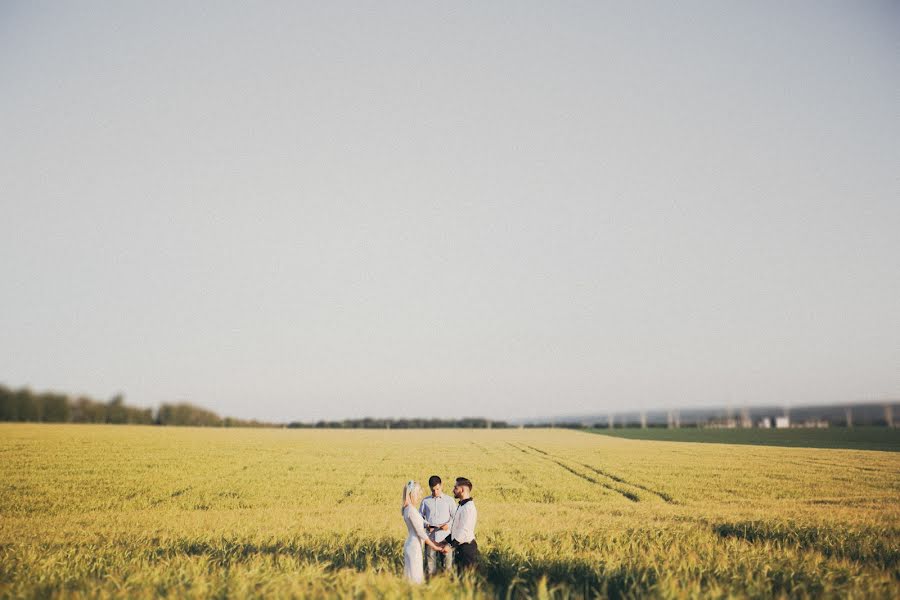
[174, 494]
[482, 449]
[662, 495]
[619, 480]
[537, 452]
[522, 450]
[189, 488]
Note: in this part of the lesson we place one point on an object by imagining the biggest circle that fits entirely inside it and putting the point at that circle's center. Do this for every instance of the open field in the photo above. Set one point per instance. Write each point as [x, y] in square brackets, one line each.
[855, 438]
[130, 511]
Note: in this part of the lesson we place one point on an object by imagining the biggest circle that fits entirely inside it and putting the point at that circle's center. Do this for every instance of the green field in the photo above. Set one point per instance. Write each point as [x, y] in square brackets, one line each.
[132, 511]
[856, 438]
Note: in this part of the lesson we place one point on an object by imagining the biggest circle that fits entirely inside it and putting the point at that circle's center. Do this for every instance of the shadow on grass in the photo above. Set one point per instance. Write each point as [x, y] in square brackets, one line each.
[869, 545]
[505, 574]
[502, 572]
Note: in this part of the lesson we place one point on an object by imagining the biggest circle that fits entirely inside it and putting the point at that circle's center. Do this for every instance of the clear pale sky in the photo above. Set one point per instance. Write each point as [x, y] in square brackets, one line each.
[328, 210]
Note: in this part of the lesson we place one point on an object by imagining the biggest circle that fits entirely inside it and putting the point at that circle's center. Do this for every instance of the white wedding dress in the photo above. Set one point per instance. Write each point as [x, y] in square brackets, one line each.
[413, 568]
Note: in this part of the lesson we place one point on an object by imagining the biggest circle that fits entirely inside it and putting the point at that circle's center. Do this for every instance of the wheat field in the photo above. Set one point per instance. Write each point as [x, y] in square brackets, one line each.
[132, 511]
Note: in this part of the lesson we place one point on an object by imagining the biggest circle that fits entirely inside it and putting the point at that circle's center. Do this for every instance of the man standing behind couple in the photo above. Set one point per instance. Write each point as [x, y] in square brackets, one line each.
[437, 512]
[449, 526]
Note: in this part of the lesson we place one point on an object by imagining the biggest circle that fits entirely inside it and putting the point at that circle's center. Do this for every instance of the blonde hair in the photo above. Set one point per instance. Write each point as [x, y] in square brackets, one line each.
[412, 491]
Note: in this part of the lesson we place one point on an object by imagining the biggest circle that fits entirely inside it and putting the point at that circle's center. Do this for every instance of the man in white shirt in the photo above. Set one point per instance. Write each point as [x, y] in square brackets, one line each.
[462, 529]
[437, 512]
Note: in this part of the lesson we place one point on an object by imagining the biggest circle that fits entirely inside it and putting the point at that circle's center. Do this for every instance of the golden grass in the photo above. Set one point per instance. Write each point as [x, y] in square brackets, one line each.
[131, 511]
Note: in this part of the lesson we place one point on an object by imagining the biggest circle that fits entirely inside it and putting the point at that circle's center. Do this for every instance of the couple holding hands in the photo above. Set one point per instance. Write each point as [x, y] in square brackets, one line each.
[446, 529]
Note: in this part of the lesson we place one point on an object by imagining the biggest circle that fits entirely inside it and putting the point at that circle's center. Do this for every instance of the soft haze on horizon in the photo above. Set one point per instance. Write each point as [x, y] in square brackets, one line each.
[326, 210]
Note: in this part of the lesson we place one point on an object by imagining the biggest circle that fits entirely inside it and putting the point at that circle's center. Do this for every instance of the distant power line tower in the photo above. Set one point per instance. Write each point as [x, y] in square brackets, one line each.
[643, 419]
[848, 416]
[674, 419]
[889, 415]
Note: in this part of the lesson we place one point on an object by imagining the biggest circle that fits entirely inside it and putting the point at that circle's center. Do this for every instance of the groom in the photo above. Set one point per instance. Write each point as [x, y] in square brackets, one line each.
[462, 530]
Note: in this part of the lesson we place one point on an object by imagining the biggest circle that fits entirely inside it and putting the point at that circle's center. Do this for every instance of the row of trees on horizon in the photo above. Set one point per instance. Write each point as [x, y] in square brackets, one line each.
[51, 407]
[369, 423]
[23, 405]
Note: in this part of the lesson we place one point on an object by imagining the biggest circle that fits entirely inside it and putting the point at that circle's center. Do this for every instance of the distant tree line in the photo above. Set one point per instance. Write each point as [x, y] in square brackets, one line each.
[467, 423]
[51, 407]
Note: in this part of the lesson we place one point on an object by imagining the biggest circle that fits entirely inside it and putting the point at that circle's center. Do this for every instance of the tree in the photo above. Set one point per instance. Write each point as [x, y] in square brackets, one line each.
[54, 407]
[27, 407]
[184, 413]
[8, 408]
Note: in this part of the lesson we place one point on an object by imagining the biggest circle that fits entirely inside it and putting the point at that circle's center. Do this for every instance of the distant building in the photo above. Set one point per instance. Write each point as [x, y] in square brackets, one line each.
[765, 423]
[782, 422]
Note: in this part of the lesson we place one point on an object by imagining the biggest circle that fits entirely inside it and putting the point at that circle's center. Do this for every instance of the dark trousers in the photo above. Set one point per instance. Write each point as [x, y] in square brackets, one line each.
[466, 556]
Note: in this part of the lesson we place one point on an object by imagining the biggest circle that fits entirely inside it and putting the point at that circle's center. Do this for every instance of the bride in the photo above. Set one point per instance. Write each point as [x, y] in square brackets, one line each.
[412, 549]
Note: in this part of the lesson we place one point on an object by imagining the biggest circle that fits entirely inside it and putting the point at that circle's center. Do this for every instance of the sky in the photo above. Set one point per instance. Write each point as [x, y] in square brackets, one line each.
[297, 211]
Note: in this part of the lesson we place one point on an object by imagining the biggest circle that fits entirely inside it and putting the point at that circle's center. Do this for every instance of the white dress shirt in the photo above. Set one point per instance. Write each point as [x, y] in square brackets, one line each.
[462, 530]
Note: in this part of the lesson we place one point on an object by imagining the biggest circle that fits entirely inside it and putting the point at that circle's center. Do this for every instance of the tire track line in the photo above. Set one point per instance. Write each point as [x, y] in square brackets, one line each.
[664, 496]
[549, 457]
